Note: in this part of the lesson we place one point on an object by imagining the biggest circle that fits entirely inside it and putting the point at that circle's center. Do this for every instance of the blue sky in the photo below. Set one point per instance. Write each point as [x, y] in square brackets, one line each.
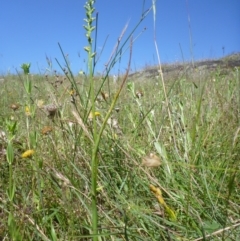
[30, 31]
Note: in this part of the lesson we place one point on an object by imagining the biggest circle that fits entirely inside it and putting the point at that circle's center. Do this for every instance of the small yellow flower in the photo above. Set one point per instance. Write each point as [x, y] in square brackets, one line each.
[27, 111]
[115, 136]
[27, 153]
[96, 114]
[158, 194]
[72, 92]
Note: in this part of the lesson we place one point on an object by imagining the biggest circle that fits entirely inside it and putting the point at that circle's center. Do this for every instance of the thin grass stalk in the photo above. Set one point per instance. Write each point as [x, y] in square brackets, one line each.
[117, 52]
[72, 79]
[219, 231]
[95, 43]
[89, 7]
[161, 74]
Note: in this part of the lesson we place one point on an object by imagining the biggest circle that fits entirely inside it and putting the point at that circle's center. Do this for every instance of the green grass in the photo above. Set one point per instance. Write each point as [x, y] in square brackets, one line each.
[199, 175]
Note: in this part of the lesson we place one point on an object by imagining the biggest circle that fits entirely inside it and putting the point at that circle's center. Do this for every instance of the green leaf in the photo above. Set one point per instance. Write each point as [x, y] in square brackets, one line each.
[161, 150]
[211, 226]
[53, 233]
[11, 192]
[10, 154]
[28, 86]
[33, 139]
[10, 219]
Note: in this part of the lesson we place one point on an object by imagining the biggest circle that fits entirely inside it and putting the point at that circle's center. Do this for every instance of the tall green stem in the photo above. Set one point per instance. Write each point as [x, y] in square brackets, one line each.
[94, 162]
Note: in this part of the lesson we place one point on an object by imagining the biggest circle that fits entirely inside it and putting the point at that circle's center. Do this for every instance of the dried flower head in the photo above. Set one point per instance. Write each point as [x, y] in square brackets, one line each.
[3, 136]
[46, 130]
[14, 106]
[51, 109]
[117, 109]
[113, 123]
[40, 104]
[71, 123]
[151, 160]
[139, 94]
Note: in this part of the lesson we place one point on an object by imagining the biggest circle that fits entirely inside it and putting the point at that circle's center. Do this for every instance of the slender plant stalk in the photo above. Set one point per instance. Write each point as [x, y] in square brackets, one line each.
[161, 74]
[96, 136]
[89, 7]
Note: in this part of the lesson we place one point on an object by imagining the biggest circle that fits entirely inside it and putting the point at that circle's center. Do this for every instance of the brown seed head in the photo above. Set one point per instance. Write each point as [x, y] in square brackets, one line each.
[151, 160]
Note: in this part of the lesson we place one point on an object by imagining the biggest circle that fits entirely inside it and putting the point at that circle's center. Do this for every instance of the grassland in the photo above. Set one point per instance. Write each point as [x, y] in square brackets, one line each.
[168, 170]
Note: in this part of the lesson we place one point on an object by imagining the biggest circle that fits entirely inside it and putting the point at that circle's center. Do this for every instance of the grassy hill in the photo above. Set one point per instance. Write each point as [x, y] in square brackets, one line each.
[177, 70]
